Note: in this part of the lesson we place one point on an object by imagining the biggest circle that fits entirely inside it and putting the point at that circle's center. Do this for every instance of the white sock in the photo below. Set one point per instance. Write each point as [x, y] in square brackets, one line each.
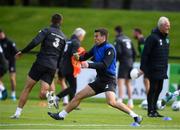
[63, 114]
[13, 94]
[132, 114]
[130, 101]
[120, 100]
[18, 111]
[65, 100]
[2, 88]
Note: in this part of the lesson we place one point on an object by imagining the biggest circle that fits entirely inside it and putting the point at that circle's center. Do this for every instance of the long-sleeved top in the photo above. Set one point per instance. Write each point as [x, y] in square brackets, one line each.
[72, 47]
[125, 50]
[9, 48]
[154, 61]
[52, 42]
[104, 61]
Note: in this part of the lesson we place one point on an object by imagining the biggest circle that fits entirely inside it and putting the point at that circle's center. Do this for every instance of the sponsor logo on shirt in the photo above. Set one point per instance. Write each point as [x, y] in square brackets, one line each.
[107, 86]
[167, 40]
[160, 41]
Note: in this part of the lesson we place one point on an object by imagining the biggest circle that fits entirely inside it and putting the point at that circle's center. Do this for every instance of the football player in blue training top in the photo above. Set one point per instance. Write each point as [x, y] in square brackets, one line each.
[103, 55]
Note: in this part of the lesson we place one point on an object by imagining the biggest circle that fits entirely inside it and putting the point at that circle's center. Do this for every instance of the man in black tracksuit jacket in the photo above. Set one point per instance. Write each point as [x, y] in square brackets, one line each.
[52, 42]
[66, 69]
[154, 62]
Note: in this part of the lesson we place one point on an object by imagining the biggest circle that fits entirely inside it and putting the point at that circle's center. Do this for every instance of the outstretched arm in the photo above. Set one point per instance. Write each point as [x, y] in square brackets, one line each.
[37, 40]
[86, 56]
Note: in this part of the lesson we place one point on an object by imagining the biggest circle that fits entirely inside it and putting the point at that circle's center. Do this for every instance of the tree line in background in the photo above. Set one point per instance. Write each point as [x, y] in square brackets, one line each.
[125, 4]
[167, 5]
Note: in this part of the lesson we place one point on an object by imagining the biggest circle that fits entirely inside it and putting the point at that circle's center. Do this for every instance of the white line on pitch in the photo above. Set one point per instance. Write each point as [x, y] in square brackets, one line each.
[91, 125]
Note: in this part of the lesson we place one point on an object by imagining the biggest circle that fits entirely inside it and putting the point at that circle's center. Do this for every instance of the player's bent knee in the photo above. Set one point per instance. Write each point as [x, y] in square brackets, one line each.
[112, 103]
[42, 94]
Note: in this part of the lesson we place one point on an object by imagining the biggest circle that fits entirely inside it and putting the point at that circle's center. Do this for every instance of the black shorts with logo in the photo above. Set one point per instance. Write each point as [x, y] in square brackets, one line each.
[12, 65]
[124, 71]
[100, 86]
[40, 72]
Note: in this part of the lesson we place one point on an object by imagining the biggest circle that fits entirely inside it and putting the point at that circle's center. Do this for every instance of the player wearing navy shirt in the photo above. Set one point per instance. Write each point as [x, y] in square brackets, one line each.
[52, 47]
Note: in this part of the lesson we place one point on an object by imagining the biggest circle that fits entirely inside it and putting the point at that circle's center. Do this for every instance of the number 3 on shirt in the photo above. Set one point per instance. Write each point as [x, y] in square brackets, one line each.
[56, 42]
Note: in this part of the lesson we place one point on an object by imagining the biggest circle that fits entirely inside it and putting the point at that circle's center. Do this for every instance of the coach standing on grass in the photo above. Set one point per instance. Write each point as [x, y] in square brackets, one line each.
[52, 42]
[154, 62]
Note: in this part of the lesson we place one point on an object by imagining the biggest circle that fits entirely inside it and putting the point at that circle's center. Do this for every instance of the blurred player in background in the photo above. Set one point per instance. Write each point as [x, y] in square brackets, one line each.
[52, 42]
[154, 62]
[3, 70]
[126, 56]
[103, 55]
[9, 49]
[137, 33]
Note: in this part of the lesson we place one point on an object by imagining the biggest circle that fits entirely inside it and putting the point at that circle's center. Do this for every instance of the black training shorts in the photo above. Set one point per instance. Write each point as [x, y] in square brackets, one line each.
[12, 65]
[40, 72]
[100, 86]
[124, 71]
[60, 73]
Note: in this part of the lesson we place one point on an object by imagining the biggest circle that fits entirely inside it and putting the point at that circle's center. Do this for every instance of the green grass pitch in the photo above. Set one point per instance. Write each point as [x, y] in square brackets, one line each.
[21, 24]
[94, 114]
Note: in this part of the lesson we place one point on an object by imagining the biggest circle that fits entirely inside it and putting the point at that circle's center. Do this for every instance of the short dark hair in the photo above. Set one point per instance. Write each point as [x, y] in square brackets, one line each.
[103, 32]
[56, 19]
[118, 29]
[138, 30]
